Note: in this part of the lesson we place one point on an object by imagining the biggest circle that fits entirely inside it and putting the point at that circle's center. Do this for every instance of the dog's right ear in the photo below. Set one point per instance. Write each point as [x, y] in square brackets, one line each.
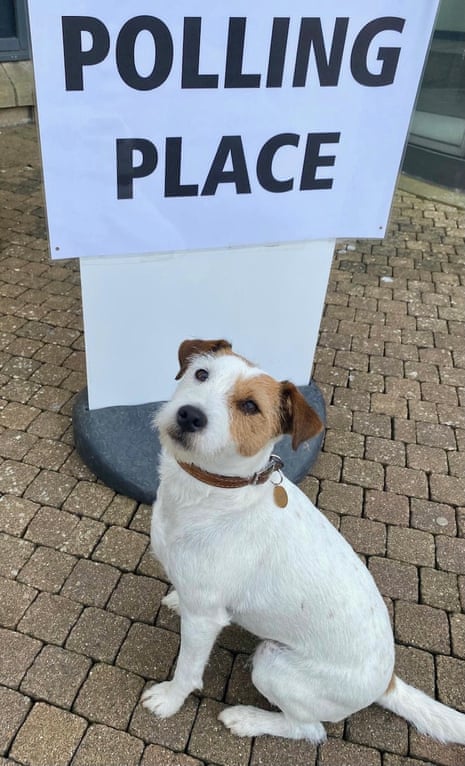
[189, 348]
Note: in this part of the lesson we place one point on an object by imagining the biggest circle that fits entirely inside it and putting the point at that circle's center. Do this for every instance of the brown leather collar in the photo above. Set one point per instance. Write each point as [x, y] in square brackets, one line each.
[233, 482]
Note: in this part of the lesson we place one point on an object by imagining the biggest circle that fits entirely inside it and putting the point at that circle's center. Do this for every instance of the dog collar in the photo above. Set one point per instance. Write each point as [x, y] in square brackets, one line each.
[233, 482]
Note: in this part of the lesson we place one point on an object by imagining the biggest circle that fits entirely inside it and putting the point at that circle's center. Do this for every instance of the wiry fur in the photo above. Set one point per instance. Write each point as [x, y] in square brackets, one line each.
[286, 575]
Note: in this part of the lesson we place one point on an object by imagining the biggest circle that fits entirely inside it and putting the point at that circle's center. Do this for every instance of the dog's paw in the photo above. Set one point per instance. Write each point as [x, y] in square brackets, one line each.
[171, 601]
[243, 720]
[163, 699]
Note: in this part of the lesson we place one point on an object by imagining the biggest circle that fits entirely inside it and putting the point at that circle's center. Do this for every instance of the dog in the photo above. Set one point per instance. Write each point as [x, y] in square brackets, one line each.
[242, 544]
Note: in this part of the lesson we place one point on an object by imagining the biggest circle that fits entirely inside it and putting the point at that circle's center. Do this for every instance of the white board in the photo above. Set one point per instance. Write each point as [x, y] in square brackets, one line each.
[264, 122]
[137, 311]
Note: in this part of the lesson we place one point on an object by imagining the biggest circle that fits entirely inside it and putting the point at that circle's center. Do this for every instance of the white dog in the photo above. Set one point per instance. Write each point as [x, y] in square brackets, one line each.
[242, 544]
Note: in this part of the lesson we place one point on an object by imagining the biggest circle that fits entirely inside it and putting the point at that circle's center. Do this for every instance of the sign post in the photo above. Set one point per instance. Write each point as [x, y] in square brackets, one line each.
[201, 160]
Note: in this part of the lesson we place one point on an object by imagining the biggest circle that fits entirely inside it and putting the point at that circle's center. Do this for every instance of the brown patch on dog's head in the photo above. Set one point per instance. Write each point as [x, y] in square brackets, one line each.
[190, 348]
[255, 413]
[297, 417]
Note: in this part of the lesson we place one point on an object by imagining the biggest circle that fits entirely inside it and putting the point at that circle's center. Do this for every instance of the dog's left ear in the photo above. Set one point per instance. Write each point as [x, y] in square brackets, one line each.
[189, 348]
[298, 418]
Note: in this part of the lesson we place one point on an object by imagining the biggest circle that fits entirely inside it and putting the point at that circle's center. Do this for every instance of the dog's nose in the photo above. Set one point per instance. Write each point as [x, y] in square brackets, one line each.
[191, 419]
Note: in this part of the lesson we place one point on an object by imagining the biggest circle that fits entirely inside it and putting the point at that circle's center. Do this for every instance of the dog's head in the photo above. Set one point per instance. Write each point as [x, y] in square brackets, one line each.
[226, 413]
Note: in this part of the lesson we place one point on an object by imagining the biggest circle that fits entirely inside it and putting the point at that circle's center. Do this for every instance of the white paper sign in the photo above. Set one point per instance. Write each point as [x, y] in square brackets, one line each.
[195, 125]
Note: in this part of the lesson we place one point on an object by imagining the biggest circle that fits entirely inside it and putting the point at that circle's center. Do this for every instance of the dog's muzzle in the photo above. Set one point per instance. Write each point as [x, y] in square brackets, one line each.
[190, 419]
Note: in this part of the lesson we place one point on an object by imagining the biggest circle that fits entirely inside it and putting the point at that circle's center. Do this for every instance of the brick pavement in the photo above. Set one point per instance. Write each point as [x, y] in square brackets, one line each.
[82, 631]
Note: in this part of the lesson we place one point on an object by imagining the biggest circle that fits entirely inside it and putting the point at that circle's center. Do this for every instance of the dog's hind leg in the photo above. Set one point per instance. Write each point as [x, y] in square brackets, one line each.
[272, 667]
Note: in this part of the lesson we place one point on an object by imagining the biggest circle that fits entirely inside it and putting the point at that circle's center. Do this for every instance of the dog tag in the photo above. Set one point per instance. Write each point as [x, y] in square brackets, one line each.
[280, 496]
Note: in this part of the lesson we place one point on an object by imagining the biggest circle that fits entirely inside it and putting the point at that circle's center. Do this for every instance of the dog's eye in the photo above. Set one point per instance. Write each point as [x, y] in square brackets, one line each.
[249, 407]
[201, 375]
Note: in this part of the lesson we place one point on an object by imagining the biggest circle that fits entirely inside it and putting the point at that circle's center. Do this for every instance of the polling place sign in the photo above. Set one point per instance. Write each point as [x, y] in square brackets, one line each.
[193, 125]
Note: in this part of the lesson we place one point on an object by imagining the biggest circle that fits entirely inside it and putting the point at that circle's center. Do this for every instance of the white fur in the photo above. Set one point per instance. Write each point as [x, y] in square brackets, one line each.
[286, 575]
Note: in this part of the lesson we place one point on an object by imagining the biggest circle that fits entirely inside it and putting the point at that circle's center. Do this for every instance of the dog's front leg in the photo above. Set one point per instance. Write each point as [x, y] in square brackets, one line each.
[198, 634]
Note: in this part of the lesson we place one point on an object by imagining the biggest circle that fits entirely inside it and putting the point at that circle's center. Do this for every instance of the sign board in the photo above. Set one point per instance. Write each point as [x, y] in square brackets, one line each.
[194, 125]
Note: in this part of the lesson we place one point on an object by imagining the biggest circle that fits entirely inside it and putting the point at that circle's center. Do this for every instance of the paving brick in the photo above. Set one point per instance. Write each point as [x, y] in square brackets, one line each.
[395, 579]
[98, 634]
[367, 537]
[15, 514]
[422, 626]
[427, 749]
[387, 507]
[155, 755]
[436, 435]
[378, 728]
[17, 652]
[15, 477]
[48, 736]
[447, 489]
[456, 462]
[217, 672]
[14, 553]
[89, 499]
[14, 600]
[56, 676]
[451, 417]
[433, 517]
[50, 425]
[50, 618]
[457, 626]
[346, 444]
[327, 466]
[15, 444]
[84, 537]
[404, 430]
[109, 696]
[171, 732]
[439, 589]
[91, 583]
[335, 752]
[365, 473]
[149, 651]
[397, 760]
[241, 690]
[276, 751]
[427, 459]
[121, 547]
[51, 527]
[385, 451]
[340, 496]
[141, 519]
[451, 681]
[411, 545]
[211, 741]
[416, 667]
[50, 488]
[48, 453]
[120, 511]
[18, 416]
[407, 480]
[138, 597]
[389, 404]
[13, 710]
[102, 746]
[423, 411]
[47, 569]
[151, 567]
[450, 554]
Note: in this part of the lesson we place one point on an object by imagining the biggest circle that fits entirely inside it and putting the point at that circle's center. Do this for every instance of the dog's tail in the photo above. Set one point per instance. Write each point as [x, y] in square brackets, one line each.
[427, 715]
